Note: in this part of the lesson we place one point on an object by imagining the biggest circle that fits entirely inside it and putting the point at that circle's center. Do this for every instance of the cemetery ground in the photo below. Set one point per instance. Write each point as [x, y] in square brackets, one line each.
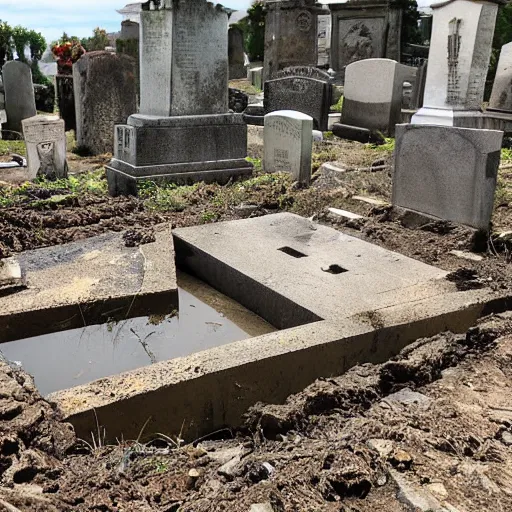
[349, 443]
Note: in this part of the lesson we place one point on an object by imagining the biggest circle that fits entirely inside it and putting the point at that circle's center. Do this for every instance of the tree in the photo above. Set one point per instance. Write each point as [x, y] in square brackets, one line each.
[411, 33]
[253, 27]
[99, 40]
[27, 45]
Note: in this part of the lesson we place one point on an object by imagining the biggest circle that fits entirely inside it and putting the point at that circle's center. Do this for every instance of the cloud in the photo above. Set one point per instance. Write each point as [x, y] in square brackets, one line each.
[79, 18]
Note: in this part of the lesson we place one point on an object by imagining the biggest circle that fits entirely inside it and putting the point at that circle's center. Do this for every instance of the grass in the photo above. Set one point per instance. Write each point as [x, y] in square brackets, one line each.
[12, 146]
[338, 107]
[167, 197]
[506, 154]
[389, 145]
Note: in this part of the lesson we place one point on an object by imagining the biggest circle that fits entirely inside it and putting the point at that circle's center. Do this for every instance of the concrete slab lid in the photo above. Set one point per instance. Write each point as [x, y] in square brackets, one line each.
[88, 282]
[294, 114]
[324, 271]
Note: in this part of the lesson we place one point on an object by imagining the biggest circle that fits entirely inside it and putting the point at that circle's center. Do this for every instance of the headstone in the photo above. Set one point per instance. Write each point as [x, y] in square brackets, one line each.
[256, 77]
[184, 131]
[66, 100]
[302, 89]
[105, 95]
[364, 29]
[20, 101]
[290, 35]
[288, 142]
[373, 94]
[501, 96]
[236, 53]
[459, 57]
[418, 91]
[446, 172]
[45, 138]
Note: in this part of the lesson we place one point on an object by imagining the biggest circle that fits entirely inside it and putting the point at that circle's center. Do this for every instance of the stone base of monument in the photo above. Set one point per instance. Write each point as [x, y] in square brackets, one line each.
[494, 119]
[179, 149]
[449, 117]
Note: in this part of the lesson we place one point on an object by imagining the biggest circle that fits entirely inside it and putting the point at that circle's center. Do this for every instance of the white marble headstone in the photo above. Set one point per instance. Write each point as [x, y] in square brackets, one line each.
[288, 144]
[459, 56]
[45, 138]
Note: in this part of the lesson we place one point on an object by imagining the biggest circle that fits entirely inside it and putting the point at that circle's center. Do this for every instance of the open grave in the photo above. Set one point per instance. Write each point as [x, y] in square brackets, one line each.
[317, 302]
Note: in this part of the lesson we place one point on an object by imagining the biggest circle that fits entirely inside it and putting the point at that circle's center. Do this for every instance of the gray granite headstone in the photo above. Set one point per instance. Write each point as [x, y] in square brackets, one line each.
[446, 172]
[20, 100]
[364, 29]
[305, 90]
[236, 53]
[373, 94]
[290, 35]
[105, 95]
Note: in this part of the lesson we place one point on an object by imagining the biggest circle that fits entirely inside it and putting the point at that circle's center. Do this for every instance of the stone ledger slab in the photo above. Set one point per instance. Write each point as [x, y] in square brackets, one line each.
[446, 172]
[179, 149]
[90, 282]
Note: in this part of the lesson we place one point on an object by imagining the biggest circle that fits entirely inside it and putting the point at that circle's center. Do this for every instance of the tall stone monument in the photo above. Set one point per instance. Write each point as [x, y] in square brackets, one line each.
[460, 51]
[501, 96]
[184, 131]
[236, 53]
[105, 95]
[20, 102]
[291, 35]
[364, 29]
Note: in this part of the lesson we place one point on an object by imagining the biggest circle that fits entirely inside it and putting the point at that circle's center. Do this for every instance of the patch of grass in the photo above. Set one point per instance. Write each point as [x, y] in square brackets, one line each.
[338, 106]
[326, 153]
[245, 86]
[12, 146]
[256, 162]
[262, 180]
[168, 197]
[389, 146]
[503, 189]
[506, 154]
[208, 217]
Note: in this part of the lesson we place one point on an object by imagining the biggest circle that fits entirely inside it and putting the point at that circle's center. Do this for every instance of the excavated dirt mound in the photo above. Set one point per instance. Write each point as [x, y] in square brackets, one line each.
[429, 430]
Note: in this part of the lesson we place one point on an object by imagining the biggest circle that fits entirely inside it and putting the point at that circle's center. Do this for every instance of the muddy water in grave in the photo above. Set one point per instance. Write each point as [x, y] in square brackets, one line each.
[206, 319]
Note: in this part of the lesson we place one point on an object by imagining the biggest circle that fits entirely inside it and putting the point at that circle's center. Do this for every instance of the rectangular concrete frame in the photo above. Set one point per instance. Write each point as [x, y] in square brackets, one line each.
[328, 328]
[90, 282]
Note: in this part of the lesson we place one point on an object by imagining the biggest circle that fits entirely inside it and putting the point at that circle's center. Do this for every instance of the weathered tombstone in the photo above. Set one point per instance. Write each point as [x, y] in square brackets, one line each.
[459, 57]
[418, 90]
[373, 94]
[184, 131]
[324, 37]
[446, 172]
[45, 138]
[303, 89]
[290, 35]
[66, 100]
[236, 53]
[288, 143]
[105, 95]
[364, 29]
[20, 101]
[501, 96]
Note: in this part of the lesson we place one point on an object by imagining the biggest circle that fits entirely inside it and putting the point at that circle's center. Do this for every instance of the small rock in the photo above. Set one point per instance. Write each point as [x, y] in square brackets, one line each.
[231, 469]
[382, 481]
[400, 459]
[269, 468]
[261, 507]
[318, 136]
[382, 446]
[223, 456]
[244, 211]
[408, 397]
[412, 496]
[467, 255]
[438, 489]
[193, 476]
[506, 438]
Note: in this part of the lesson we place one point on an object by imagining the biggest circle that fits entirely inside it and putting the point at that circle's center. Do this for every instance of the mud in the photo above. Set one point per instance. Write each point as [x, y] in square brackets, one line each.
[433, 424]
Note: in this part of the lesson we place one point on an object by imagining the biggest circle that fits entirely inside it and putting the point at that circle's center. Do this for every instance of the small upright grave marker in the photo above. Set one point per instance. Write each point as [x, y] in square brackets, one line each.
[45, 138]
[288, 142]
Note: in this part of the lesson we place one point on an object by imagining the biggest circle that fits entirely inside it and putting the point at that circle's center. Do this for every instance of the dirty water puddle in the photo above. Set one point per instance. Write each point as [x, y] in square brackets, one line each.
[67, 359]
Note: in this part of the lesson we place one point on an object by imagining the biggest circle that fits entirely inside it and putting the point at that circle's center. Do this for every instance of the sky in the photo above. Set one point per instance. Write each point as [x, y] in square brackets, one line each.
[76, 17]
[80, 17]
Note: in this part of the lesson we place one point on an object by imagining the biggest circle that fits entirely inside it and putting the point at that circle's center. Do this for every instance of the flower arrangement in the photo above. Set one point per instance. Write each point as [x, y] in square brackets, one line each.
[66, 55]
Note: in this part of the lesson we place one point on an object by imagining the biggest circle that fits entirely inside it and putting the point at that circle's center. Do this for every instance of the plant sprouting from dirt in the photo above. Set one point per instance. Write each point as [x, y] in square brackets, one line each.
[388, 146]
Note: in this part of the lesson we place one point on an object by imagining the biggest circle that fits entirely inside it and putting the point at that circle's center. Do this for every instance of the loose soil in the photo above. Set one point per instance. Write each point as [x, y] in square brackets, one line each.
[347, 444]
[429, 430]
